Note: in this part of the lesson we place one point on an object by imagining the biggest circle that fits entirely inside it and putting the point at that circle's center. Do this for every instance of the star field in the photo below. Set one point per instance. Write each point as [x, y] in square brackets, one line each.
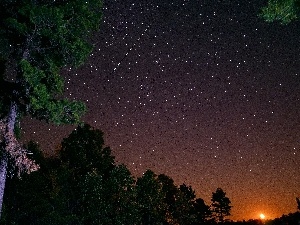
[203, 91]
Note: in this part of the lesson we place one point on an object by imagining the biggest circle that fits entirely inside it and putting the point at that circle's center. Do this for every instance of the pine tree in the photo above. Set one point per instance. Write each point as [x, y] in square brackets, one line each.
[283, 11]
[220, 206]
[202, 211]
[184, 209]
[37, 39]
[150, 199]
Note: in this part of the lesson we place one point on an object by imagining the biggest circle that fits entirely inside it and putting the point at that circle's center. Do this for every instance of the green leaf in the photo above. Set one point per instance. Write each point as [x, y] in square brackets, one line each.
[16, 25]
[283, 11]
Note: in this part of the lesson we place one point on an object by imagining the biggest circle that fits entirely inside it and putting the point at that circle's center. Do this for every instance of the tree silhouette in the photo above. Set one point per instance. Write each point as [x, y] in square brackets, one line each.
[184, 212]
[298, 203]
[73, 189]
[86, 166]
[170, 191]
[83, 151]
[150, 199]
[122, 197]
[220, 206]
[202, 211]
[37, 39]
[107, 201]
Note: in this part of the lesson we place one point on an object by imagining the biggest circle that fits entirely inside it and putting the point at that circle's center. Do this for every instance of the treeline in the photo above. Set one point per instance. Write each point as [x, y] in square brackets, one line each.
[290, 219]
[82, 185]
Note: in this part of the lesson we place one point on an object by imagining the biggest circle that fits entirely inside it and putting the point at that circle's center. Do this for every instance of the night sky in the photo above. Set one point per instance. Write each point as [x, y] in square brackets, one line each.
[202, 91]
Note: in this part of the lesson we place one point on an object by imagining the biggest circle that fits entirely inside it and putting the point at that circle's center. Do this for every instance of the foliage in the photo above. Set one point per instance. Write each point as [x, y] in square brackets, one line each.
[220, 205]
[84, 186]
[85, 168]
[150, 199]
[283, 11]
[184, 213]
[71, 189]
[169, 190]
[291, 218]
[27, 201]
[83, 151]
[121, 202]
[38, 39]
[202, 211]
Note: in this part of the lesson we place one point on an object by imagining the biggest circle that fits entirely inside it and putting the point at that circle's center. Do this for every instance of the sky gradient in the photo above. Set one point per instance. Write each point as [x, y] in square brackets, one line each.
[202, 91]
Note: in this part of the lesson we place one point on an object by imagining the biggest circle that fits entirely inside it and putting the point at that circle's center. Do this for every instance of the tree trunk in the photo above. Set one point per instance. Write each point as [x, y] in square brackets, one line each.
[8, 133]
[3, 172]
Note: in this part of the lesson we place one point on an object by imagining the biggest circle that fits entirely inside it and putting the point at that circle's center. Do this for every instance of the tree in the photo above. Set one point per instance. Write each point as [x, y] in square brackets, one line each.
[37, 39]
[202, 211]
[83, 151]
[184, 210]
[170, 192]
[106, 201]
[298, 203]
[86, 165]
[220, 206]
[283, 11]
[73, 189]
[28, 200]
[121, 204]
[150, 199]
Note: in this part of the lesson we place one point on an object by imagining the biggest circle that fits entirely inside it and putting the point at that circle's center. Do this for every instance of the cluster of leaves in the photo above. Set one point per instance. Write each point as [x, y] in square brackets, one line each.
[37, 39]
[283, 11]
[83, 185]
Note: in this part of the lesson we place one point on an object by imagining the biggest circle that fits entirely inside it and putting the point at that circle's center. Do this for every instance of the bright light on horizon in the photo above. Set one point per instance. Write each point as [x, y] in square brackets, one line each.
[262, 216]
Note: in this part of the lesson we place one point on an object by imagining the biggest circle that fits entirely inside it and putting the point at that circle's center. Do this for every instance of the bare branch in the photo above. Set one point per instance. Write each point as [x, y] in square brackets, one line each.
[16, 152]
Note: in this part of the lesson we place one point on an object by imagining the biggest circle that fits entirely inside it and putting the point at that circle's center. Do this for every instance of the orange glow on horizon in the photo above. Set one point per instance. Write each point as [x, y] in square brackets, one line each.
[262, 216]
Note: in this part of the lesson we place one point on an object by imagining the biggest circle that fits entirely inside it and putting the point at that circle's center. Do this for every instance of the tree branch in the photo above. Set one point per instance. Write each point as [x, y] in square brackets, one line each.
[14, 150]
